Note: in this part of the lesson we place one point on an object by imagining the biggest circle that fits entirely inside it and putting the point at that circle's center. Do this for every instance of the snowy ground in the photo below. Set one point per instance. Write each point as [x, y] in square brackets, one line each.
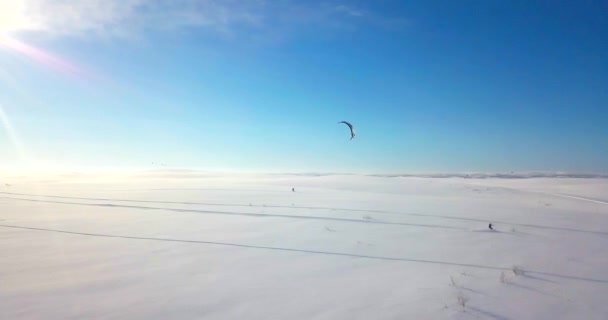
[191, 245]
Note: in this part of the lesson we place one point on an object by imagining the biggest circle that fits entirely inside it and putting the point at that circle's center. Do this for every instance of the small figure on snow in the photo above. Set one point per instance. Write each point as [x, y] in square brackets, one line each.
[293, 189]
[490, 226]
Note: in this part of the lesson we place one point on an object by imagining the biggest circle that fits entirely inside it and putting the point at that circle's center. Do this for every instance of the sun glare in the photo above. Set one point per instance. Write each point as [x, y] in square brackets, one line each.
[12, 15]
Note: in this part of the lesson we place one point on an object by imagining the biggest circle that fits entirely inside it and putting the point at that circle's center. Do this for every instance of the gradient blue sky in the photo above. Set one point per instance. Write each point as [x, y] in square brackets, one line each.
[260, 85]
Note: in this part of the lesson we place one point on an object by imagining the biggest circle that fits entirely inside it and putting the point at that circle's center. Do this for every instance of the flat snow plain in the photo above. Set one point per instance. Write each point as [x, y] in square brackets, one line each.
[194, 245]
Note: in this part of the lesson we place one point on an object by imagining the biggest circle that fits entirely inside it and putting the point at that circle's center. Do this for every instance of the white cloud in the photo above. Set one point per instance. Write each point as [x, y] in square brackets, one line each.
[125, 18]
[74, 17]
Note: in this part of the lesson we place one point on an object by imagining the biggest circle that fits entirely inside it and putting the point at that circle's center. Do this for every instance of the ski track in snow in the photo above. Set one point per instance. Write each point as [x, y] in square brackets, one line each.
[577, 198]
[351, 255]
[249, 214]
[366, 219]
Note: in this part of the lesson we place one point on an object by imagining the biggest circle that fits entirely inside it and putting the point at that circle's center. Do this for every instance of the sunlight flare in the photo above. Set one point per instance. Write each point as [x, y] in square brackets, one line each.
[11, 134]
[41, 56]
[12, 16]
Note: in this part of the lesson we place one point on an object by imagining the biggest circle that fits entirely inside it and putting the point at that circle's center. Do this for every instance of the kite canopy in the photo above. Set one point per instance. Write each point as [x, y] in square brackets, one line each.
[350, 126]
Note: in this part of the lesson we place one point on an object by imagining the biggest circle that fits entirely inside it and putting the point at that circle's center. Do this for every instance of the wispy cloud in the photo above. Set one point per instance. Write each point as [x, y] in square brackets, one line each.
[126, 18]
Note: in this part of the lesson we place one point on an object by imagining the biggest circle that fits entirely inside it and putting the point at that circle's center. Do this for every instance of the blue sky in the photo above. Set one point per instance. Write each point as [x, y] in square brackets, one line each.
[260, 85]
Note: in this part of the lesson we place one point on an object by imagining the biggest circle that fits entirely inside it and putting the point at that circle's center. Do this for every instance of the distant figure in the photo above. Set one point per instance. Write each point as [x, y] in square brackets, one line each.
[293, 189]
[490, 226]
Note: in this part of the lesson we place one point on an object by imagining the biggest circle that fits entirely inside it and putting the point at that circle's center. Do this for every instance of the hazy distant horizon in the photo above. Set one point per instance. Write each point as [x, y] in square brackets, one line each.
[173, 172]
